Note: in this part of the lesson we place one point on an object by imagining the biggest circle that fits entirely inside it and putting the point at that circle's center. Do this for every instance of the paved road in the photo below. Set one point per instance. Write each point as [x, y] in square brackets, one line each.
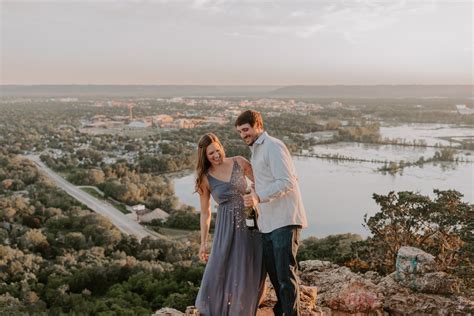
[122, 222]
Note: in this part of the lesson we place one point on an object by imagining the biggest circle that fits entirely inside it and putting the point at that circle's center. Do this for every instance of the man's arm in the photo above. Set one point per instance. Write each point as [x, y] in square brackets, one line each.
[281, 167]
[247, 167]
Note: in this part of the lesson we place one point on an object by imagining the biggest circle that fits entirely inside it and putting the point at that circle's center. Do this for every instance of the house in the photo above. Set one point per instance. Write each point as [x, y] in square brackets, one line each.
[138, 124]
[138, 207]
[157, 213]
[143, 215]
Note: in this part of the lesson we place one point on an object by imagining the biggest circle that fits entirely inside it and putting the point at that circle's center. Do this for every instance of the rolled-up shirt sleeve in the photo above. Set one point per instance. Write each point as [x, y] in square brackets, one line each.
[282, 170]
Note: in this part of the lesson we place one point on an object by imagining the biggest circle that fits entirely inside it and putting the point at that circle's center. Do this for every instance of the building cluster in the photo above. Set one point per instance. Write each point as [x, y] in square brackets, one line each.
[213, 111]
[463, 109]
[124, 122]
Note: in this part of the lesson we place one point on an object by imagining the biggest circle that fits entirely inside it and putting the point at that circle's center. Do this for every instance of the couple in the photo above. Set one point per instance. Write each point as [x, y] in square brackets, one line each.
[234, 278]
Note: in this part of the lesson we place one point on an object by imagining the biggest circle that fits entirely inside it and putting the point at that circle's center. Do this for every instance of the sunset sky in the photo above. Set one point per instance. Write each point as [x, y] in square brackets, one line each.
[237, 42]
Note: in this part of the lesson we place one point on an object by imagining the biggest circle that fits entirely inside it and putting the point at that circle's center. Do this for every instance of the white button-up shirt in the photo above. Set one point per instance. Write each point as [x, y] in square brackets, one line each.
[276, 184]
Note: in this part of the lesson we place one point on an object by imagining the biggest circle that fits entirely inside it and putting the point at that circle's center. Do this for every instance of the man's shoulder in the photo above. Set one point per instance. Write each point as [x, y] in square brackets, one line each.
[274, 142]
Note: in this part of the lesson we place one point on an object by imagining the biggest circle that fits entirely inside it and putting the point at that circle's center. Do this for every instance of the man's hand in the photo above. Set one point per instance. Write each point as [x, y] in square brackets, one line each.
[251, 199]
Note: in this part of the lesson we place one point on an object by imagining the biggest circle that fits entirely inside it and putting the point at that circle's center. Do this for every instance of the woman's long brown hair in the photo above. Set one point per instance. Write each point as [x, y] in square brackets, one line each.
[203, 164]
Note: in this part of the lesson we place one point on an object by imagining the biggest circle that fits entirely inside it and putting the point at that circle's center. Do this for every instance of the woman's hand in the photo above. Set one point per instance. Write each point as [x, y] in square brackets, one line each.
[203, 253]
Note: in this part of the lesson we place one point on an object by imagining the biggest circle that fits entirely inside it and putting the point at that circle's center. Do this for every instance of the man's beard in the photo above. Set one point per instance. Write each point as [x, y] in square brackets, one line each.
[253, 141]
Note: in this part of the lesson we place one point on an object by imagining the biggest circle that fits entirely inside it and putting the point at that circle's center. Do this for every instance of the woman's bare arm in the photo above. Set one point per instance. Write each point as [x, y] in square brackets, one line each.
[205, 223]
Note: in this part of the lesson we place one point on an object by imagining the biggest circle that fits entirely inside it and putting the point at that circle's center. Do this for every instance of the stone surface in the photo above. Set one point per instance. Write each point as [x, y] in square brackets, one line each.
[416, 269]
[411, 260]
[192, 311]
[330, 290]
[166, 311]
[316, 265]
[356, 296]
[343, 290]
[400, 300]
[308, 298]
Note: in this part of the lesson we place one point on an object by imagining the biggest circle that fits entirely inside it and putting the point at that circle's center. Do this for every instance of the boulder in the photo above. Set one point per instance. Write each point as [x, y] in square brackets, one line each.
[356, 296]
[166, 311]
[416, 269]
[342, 290]
[401, 300]
[411, 260]
[373, 276]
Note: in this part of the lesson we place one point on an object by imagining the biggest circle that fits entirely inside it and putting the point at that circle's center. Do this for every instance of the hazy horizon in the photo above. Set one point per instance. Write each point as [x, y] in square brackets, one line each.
[238, 85]
[237, 43]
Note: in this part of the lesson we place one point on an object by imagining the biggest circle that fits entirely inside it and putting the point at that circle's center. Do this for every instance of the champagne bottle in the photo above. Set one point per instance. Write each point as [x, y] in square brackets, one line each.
[250, 216]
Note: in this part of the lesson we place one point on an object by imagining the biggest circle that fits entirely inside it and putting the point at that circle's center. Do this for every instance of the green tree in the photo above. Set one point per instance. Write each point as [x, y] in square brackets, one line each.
[75, 240]
[33, 239]
[442, 227]
[334, 248]
[183, 219]
[95, 176]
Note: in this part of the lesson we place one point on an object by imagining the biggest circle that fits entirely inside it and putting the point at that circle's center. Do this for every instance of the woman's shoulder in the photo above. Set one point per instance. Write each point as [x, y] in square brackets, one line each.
[205, 185]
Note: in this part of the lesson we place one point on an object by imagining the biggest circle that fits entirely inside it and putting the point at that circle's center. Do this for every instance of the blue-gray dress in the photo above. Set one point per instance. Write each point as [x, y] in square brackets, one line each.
[234, 275]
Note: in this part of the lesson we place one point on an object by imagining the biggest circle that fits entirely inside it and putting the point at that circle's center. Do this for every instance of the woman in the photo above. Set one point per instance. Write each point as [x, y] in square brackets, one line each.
[234, 277]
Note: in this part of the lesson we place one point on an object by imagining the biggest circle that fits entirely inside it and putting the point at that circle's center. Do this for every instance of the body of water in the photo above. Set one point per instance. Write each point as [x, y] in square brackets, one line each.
[430, 133]
[337, 194]
[375, 152]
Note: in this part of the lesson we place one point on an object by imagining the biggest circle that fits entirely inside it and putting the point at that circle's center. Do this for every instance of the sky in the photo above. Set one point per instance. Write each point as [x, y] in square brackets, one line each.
[230, 42]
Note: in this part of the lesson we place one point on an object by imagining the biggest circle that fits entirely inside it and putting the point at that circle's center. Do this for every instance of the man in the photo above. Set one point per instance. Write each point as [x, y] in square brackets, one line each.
[282, 213]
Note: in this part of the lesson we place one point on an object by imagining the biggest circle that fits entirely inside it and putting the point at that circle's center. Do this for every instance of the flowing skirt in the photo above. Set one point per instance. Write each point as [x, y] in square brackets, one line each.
[234, 277]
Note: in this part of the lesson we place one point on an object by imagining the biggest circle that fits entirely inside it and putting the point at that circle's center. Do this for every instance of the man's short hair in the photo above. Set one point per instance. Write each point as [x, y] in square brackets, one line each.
[252, 117]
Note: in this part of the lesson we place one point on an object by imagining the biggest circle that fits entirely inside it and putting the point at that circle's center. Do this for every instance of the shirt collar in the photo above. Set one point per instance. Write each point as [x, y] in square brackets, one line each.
[261, 138]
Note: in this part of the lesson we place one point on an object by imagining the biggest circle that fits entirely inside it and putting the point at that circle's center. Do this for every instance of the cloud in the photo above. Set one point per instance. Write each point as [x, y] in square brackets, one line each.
[256, 19]
[295, 14]
[238, 34]
[354, 19]
[310, 30]
[211, 6]
[303, 19]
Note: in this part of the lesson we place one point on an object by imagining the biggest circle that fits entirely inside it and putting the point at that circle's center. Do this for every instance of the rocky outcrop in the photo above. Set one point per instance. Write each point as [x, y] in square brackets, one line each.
[190, 311]
[168, 312]
[416, 288]
[344, 291]
[308, 299]
[401, 300]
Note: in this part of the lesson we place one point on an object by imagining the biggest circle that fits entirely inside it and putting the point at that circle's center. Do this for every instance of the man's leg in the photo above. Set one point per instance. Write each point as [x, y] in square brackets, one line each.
[285, 243]
[269, 263]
